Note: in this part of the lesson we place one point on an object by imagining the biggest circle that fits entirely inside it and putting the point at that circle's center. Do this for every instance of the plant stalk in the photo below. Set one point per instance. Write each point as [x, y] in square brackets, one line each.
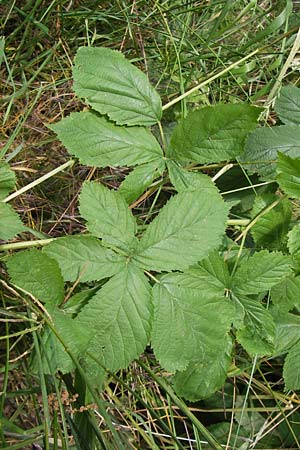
[38, 181]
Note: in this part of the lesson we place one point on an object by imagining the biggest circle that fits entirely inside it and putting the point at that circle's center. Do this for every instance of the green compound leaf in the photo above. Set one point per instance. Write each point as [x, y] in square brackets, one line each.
[119, 319]
[214, 133]
[53, 354]
[202, 378]
[263, 145]
[291, 369]
[83, 258]
[97, 142]
[7, 179]
[112, 85]
[38, 274]
[140, 178]
[258, 333]
[107, 215]
[261, 272]
[288, 170]
[188, 334]
[10, 221]
[270, 231]
[185, 231]
[285, 295]
[287, 105]
[184, 180]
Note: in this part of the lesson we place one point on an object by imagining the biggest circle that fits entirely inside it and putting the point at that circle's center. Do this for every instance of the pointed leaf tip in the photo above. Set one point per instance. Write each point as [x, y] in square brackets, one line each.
[112, 85]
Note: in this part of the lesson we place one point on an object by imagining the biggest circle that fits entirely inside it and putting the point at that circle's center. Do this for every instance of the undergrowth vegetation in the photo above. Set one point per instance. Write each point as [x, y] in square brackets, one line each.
[150, 257]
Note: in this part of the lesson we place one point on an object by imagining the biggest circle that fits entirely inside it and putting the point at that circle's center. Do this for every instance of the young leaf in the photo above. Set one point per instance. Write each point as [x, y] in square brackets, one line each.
[202, 378]
[288, 170]
[184, 180]
[270, 231]
[186, 229]
[113, 86]
[83, 258]
[7, 179]
[107, 215]
[188, 334]
[97, 142]
[263, 145]
[214, 133]
[119, 318]
[11, 224]
[287, 105]
[140, 178]
[260, 272]
[285, 295]
[38, 274]
[258, 333]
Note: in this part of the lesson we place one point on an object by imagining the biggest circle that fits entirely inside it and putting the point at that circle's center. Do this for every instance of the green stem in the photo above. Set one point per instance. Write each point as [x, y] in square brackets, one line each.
[284, 69]
[38, 181]
[184, 408]
[238, 222]
[256, 218]
[25, 244]
[209, 80]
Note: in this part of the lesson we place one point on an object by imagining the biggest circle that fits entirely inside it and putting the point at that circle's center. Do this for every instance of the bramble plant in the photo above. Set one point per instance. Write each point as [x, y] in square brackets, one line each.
[178, 283]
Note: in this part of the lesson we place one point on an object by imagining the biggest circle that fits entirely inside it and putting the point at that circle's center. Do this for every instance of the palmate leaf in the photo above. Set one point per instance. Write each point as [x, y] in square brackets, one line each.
[270, 231]
[186, 229]
[188, 334]
[263, 145]
[83, 258]
[38, 274]
[214, 133]
[97, 142]
[112, 85]
[288, 175]
[7, 179]
[119, 319]
[140, 178]
[260, 272]
[107, 216]
[202, 378]
[287, 105]
[10, 221]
